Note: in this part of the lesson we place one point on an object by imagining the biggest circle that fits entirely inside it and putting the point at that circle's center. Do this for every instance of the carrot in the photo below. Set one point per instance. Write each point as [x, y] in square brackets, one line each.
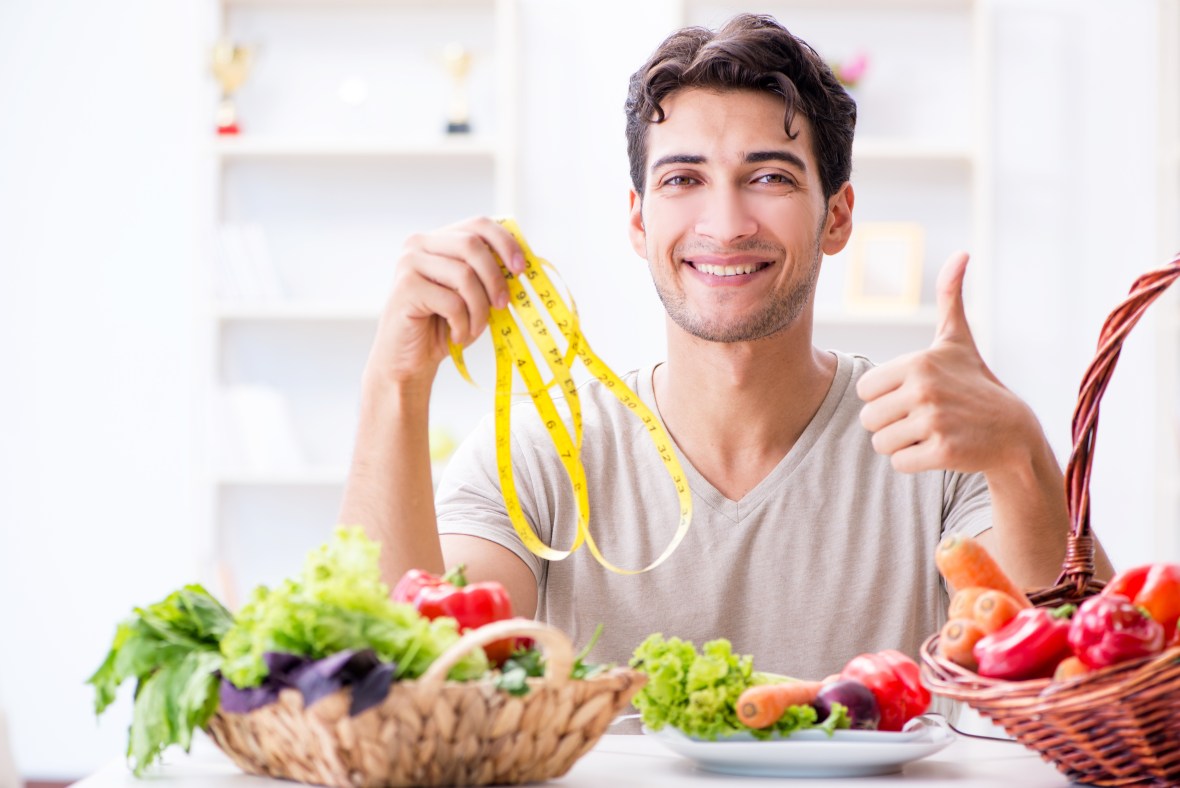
[957, 639]
[963, 602]
[964, 562]
[1070, 668]
[993, 609]
[763, 704]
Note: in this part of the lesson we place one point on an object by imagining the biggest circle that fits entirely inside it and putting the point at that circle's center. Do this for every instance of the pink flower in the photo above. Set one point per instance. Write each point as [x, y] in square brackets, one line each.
[850, 71]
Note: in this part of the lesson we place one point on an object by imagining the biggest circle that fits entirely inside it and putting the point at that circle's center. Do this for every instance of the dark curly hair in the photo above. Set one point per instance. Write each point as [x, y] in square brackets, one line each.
[750, 52]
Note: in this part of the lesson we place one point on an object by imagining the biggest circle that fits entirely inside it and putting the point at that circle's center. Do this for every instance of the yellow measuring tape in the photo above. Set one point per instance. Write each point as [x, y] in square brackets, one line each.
[512, 351]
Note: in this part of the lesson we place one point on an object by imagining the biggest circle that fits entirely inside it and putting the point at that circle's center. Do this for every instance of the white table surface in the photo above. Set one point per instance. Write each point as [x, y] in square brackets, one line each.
[620, 760]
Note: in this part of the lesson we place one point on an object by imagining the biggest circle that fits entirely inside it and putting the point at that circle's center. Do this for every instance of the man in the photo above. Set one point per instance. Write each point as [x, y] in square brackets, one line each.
[821, 486]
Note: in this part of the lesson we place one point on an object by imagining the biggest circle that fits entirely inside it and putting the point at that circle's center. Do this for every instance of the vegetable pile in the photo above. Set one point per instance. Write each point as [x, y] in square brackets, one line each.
[333, 626]
[716, 693]
[994, 631]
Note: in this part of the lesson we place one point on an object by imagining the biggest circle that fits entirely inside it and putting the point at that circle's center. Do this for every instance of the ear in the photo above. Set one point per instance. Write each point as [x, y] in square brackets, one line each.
[635, 227]
[838, 227]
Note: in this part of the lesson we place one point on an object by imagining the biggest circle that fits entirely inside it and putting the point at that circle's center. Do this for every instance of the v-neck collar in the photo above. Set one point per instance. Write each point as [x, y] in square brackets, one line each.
[710, 495]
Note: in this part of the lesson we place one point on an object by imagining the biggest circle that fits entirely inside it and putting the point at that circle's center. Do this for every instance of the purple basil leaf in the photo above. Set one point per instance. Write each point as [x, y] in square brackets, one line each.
[362, 670]
[279, 665]
[243, 701]
[327, 675]
[372, 689]
[315, 685]
[361, 665]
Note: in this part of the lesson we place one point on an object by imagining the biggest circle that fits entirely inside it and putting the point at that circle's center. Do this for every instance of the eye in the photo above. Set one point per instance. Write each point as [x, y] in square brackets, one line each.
[679, 180]
[775, 178]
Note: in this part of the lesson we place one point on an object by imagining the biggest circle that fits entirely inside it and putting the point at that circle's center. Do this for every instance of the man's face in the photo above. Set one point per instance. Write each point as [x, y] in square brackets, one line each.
[733, 221]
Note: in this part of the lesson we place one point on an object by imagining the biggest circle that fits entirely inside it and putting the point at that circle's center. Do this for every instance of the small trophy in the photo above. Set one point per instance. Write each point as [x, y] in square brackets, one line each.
[458, 62]
[231, 64]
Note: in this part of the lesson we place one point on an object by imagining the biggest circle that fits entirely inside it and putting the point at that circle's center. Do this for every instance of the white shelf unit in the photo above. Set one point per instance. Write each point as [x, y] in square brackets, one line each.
[921, 152]
[1168, 307]
[313, 201]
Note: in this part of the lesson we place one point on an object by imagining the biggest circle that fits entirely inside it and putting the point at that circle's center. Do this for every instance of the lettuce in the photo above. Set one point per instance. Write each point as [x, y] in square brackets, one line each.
[181, 649]
[698, 693]
[338, 603]
[171, 649]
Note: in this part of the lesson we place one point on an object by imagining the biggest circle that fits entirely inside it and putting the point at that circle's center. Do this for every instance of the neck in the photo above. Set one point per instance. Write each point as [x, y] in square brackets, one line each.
[738, 408]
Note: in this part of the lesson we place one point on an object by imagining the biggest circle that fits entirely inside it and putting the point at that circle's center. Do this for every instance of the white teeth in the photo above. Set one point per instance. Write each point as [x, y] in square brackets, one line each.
[725, 270]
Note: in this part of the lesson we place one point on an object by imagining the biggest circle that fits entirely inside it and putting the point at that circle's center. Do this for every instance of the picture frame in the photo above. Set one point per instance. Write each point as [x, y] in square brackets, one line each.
[885, 267]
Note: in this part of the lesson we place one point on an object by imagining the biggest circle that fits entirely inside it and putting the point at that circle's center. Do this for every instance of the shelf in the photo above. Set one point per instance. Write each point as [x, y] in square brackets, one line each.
[287, 312]
[306, 477]
[333, 4]
[923, 317]
[847, 5]
[258, 147]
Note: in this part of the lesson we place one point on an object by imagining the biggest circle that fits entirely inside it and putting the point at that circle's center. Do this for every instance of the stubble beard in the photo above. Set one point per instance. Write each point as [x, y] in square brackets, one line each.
[781, 311]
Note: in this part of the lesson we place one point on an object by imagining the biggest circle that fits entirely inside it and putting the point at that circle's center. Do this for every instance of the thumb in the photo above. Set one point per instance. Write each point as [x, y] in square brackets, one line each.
[952, 317]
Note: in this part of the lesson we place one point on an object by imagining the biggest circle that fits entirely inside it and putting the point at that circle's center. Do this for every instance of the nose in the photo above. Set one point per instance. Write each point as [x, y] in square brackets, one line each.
[725, 217]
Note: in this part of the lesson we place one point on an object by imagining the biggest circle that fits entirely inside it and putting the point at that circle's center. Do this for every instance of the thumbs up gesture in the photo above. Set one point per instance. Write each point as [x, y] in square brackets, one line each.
[942, 408]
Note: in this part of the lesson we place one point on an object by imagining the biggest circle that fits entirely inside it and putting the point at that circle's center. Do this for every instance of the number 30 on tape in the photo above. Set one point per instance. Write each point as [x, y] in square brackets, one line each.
[513, 352]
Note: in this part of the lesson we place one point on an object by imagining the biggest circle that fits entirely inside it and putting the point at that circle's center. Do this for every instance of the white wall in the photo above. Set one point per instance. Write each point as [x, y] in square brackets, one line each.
[105, 105]
[1075, 192]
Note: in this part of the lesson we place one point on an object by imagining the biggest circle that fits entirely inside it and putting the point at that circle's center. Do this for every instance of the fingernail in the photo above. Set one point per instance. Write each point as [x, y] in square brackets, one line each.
[518, 262]
[501, 300]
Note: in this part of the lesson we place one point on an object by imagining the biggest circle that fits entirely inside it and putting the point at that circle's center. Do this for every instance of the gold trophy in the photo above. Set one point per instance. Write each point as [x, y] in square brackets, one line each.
[231, 64]
[458, 62]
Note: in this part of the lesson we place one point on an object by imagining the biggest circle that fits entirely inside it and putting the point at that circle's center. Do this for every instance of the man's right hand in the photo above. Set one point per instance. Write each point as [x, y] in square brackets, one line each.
[445, 283]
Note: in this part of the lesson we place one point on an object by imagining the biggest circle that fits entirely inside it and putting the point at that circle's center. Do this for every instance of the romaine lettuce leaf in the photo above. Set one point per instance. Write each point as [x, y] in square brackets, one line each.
[171, 650]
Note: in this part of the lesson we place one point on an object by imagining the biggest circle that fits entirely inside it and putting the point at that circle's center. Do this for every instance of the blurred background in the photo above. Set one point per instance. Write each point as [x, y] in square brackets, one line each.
[184, 314]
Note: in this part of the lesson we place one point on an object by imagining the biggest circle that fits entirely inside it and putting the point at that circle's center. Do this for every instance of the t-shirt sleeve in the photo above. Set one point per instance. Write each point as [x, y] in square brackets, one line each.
[468, 498]
[966, 504]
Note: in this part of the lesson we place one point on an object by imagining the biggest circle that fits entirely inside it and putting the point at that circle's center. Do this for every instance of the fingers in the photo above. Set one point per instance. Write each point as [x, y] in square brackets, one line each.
[879, 413]
[464, 260]
[477, 243]
[909, 441]
[458, 290]
[952, 316]
[887, 377]
[917, 457]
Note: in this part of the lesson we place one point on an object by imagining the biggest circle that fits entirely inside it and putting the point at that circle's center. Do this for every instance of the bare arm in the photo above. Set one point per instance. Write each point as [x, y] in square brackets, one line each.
[942, 408]
[445, 284]
[1029, 514]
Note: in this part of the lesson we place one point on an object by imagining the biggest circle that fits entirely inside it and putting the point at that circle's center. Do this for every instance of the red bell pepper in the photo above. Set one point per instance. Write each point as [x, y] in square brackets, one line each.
[1156, 589]
[893, 679]
[1109, 629]
[471, 604]
[1027, 647]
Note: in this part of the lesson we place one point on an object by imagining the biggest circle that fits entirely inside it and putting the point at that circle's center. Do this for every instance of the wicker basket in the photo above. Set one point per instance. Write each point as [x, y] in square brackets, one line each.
[1117, 726]
[436, 732]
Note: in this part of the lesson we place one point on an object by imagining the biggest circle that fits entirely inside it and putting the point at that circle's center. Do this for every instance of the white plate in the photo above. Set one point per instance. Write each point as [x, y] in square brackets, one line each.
[812, 753]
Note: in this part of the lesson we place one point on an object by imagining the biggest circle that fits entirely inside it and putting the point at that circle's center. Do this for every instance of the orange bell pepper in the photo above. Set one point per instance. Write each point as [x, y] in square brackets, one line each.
[1155, 588]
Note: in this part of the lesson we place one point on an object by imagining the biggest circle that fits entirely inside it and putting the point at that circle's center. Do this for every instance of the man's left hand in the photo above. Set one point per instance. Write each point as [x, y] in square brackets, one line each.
[942, 408]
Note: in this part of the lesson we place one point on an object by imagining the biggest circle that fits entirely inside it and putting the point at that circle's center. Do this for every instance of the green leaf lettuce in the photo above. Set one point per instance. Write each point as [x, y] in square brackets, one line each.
[338, 602]
[697, 693]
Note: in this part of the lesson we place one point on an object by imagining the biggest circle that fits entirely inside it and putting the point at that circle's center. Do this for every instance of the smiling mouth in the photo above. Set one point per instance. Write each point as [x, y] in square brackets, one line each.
[728, 270]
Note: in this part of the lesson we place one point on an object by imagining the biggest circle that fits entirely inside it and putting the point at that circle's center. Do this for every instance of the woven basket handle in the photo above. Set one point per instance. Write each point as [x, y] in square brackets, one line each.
[1078, 567]
[559, 653]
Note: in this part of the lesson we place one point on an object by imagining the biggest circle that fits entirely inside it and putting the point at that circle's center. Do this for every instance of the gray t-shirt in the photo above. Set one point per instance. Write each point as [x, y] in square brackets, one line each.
[831, 555]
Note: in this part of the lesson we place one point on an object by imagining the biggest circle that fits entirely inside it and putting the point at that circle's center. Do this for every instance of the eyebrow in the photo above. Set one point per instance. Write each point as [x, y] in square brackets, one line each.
[756, 157]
